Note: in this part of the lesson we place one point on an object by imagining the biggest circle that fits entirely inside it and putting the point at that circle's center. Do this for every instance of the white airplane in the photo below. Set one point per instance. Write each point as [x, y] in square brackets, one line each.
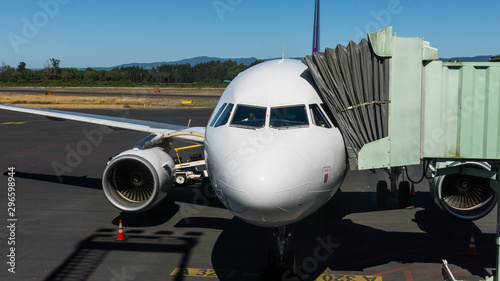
[273, 155]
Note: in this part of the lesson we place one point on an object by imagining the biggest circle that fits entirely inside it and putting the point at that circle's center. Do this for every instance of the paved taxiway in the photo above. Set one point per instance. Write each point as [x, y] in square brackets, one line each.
[66, 228]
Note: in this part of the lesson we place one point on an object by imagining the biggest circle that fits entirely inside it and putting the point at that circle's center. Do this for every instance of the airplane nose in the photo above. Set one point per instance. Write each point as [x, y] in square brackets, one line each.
[269, 179]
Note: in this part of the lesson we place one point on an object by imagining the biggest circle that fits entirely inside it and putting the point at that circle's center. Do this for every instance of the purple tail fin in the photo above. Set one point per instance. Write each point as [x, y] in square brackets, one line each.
[316, 28]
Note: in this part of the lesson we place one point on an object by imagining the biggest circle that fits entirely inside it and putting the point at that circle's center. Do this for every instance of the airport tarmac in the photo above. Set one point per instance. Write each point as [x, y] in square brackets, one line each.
[65, 229]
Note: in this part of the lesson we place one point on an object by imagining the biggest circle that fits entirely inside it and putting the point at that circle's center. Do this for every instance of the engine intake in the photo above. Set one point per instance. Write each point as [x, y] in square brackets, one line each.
[463, 196]
[136, 180]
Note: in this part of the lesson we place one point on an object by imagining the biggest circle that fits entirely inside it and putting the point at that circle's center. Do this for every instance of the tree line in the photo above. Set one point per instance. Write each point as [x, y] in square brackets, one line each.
[208, 74]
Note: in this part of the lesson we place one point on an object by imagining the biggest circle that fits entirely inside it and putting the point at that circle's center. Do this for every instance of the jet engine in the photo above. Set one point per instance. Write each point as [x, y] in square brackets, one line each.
[463, 196]
[136, 180]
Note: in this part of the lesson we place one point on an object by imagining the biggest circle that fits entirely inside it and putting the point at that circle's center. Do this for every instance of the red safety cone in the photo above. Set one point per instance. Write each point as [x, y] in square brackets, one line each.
[121, 235]
[472, 246]
[412, 191]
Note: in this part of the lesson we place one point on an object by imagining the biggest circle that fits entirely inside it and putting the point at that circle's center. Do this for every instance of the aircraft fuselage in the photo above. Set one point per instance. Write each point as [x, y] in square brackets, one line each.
[273, 155]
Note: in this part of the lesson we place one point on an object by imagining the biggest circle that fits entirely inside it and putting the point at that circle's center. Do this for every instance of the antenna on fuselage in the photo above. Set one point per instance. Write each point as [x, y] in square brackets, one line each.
[316, 28]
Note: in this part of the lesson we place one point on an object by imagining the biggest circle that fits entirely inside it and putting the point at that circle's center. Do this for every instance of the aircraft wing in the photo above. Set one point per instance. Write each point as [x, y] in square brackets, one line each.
[115, 122]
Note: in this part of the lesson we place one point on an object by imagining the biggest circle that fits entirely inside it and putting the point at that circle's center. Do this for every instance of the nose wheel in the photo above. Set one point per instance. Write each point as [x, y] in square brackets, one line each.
[283, 237]
[281, 260]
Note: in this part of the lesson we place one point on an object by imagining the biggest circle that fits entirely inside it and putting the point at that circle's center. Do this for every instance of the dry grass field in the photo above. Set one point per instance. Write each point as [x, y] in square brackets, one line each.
[111, 98]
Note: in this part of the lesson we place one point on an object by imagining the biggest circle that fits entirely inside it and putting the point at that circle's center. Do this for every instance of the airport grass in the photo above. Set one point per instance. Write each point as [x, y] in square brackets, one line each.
[114, 84]
[88, 101]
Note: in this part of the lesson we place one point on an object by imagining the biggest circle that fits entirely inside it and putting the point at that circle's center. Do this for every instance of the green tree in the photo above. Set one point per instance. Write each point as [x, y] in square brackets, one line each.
[6, 72]
[70, 74]
[115, 74]
[28, 76]
[90, 75]
[21, 66]
[54, 63]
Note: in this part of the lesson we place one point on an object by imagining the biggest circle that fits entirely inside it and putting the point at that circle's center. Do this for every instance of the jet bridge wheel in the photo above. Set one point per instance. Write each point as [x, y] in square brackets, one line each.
[382, 194]
[404, 194]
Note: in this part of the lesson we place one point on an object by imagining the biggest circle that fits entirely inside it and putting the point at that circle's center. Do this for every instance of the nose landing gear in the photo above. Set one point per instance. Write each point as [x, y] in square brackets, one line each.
[282, 259]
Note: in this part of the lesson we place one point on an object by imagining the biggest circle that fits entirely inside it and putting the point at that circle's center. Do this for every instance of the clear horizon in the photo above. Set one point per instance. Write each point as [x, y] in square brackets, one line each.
[106, 34]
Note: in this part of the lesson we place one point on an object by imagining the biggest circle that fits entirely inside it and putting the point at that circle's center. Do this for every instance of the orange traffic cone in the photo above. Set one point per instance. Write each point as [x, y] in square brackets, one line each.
[472, 246]
[412, 191]
[121, 235]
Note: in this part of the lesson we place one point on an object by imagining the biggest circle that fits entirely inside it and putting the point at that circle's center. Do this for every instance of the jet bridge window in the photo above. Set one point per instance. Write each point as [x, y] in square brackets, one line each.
[224, 116]
[250, 117]
[317, 116]
[290, 116]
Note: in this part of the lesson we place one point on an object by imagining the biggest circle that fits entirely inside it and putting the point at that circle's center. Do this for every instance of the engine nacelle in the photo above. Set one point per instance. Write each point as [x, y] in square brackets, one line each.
[136, 180]
[463, 196]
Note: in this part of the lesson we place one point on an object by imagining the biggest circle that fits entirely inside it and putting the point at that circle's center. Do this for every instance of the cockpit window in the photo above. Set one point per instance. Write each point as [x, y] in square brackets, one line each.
[249, 117]
[290, 116]
[318, 118]
[216, 116]
[224, 116]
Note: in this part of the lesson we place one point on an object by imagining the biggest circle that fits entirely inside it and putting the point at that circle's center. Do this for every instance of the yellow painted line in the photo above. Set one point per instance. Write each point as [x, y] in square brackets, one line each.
[13, 123]
[21, 122]
[342, 277]
[206, 272]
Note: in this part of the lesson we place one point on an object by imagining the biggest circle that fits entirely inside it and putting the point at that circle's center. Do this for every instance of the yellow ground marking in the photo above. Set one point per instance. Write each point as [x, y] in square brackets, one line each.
[12, 123]
[21, 122]
[195, 272]
[342, 277]
[206, 272]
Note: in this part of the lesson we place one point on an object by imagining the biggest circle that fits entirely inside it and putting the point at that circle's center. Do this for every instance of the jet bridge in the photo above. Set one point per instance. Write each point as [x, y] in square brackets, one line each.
[397, 105]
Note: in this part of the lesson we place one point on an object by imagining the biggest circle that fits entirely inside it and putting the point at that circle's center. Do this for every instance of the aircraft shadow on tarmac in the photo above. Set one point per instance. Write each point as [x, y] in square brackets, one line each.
[91, 252]
[324, 240]
[158, 215]
[168, 207]
[83, 181]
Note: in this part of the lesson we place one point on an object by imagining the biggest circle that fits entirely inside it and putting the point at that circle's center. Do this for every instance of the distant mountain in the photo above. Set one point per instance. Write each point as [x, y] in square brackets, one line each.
[247, 61]
[192, 61]
[468, 59]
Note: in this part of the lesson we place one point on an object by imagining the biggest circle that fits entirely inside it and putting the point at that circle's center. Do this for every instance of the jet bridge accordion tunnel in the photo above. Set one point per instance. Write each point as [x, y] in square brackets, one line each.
[397, 105]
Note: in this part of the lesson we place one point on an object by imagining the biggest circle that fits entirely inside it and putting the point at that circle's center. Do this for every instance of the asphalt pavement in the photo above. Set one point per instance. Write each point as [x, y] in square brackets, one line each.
[65, 229]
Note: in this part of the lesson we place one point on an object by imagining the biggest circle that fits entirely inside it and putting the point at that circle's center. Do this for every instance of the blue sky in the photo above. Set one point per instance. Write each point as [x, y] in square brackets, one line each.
[104, 33]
